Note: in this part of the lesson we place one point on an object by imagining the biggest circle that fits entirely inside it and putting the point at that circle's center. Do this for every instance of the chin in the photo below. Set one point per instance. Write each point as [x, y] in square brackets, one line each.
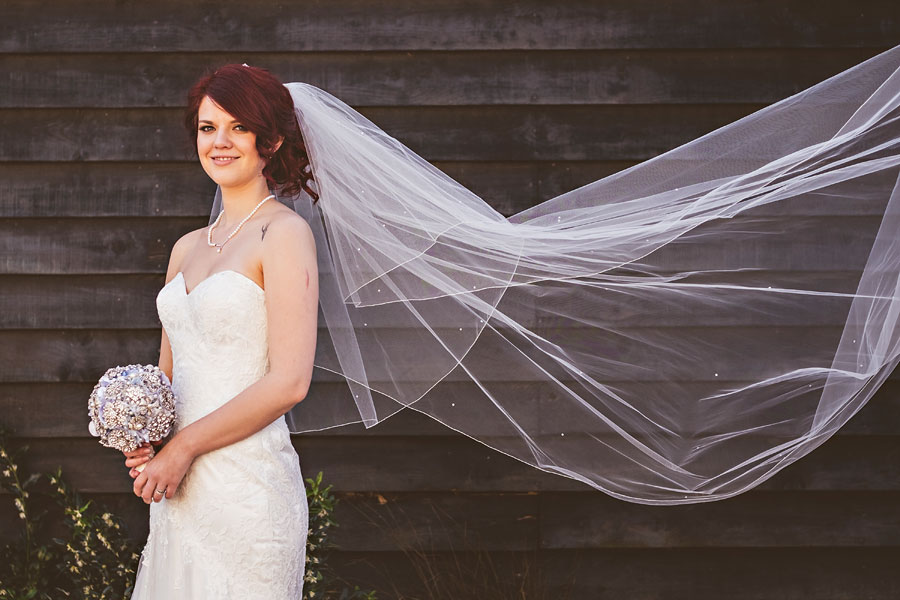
[224, 179]
[228, 178]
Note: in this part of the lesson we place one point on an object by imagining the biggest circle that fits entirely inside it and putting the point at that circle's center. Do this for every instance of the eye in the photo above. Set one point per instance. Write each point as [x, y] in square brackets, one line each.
[241, 127]
[206, 128]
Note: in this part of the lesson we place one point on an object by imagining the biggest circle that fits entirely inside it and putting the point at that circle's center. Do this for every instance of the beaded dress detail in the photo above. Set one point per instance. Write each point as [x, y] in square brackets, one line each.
[237, 525]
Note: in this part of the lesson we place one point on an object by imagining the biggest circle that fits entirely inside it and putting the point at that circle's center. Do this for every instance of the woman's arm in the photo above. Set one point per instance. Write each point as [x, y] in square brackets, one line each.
[176, 258]
[292, 299]
[145, 452]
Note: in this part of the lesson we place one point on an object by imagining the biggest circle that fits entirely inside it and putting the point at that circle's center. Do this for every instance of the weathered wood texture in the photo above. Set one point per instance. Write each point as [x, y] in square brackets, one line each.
[520, 102]
[478, 78]
[358, 25]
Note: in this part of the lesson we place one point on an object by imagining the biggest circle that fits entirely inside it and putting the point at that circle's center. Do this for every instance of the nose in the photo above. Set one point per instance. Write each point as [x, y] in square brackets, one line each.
[222, 138]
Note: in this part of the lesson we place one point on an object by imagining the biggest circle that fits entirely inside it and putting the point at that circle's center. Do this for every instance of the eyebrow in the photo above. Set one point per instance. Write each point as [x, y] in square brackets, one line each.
[210, 122]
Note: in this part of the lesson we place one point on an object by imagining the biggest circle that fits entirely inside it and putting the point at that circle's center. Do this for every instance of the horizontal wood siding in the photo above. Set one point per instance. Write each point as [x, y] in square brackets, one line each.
[518, 101]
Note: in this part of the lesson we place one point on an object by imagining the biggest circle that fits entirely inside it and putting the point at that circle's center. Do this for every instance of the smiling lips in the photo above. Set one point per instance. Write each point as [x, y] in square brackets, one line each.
[224, 160]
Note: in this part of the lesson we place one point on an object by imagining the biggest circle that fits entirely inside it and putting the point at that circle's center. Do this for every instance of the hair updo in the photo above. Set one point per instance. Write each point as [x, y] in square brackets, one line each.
[257, 99]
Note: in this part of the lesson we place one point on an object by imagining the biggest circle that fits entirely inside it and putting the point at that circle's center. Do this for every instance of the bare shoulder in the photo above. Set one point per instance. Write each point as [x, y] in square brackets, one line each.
[289, 261]
[191, 237]
[183, 246]
[287, 233]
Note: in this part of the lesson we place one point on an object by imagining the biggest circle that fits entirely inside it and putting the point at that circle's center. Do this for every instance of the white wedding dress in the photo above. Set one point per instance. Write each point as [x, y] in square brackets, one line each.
[237, 526]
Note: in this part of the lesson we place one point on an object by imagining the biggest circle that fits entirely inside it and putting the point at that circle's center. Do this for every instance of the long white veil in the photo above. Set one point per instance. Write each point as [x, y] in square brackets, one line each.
[676, 332]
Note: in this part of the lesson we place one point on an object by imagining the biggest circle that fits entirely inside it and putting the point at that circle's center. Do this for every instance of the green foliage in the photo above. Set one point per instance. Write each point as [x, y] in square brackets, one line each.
[320, 581]
[321, 504]
[100, 558]
[97, 561]
[26, 566]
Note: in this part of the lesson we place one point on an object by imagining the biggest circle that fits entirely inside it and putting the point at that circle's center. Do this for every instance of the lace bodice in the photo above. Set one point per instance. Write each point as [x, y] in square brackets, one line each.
[237, 525]
[218, 334]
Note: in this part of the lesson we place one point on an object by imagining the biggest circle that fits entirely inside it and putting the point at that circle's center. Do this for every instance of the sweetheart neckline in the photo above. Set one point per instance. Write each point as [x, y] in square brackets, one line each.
[210, 276]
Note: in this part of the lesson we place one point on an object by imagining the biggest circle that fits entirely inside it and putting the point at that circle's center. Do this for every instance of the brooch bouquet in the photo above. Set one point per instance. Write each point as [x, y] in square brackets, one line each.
[131, 405]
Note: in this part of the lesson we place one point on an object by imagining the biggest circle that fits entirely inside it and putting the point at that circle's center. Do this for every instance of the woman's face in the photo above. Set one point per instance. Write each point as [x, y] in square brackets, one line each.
[227, 149]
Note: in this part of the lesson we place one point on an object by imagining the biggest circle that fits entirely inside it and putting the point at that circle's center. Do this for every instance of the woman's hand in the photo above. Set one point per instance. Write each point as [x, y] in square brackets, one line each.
[163, 471]
[141, 455]
[137, 457]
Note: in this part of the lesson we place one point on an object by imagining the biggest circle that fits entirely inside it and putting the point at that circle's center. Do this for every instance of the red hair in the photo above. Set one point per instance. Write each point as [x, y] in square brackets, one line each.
[257, 99]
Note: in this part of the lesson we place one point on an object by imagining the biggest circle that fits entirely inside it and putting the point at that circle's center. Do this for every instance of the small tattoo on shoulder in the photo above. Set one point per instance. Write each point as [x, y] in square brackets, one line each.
[264, 229]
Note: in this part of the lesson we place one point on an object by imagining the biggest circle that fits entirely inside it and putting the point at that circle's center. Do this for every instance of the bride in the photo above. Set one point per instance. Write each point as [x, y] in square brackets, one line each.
[677, 332]
[228, 515]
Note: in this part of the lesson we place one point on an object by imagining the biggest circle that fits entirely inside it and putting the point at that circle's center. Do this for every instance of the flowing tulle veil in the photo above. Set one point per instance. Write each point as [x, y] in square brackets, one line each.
[676, 332]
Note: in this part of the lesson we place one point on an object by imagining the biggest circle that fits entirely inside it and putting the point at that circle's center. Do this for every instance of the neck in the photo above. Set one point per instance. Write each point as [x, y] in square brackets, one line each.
[237, 202]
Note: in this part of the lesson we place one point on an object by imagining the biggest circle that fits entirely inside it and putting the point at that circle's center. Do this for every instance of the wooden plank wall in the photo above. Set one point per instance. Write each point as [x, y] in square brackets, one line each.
[519, 101]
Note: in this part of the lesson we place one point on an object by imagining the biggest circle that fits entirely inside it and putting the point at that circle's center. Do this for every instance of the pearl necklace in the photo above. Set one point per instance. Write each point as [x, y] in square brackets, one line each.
[218, 247]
